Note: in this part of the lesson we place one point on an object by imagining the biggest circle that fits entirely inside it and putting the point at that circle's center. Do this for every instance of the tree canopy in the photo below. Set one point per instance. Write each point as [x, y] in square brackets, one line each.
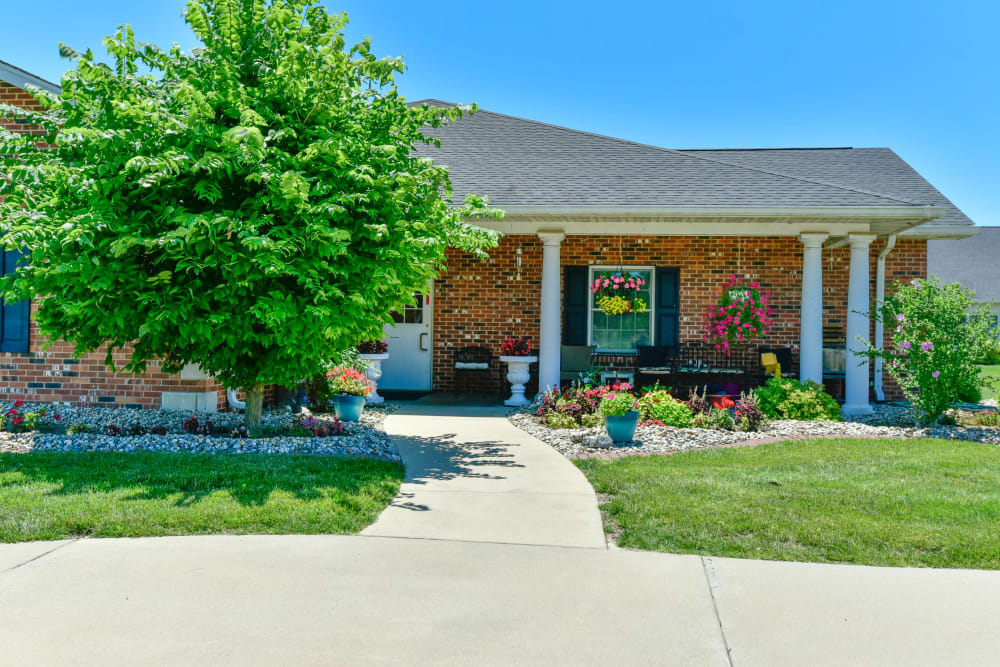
[254, 206]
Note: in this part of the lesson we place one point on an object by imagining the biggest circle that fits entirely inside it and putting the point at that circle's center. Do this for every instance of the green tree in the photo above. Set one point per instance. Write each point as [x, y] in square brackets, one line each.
[939, 336]
[255, 206]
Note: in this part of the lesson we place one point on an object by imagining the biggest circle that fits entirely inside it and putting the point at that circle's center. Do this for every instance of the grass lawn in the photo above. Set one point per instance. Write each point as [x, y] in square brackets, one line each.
[933, 503]
[993, 373]
[51, 495]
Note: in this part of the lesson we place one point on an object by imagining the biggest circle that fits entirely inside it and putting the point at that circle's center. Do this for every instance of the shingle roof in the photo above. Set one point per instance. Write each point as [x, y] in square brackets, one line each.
[974, 262]
[520, 162]
[18, 77]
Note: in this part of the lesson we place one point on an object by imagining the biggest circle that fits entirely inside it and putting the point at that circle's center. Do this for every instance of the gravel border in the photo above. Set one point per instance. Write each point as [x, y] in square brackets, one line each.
[885, 423]
[363, 439]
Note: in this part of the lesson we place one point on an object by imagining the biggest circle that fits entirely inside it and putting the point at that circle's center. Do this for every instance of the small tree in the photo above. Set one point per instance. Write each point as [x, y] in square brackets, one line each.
[254, 206]
[938, 337]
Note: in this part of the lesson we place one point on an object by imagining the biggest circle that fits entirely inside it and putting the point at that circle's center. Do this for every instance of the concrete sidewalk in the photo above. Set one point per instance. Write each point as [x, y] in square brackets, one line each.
[322, 600]
[471, 475]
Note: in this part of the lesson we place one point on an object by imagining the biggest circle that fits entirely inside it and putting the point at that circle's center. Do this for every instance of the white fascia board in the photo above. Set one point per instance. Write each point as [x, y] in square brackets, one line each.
[708, 211]
[20, 78]
[926, 231]
[613, 227]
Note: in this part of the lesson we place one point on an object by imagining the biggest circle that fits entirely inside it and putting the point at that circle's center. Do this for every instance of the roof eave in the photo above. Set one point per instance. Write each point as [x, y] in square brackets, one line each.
[21, 79]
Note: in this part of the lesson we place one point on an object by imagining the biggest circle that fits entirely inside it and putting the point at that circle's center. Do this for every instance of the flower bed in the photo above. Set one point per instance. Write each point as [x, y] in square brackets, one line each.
[126, 430]
[887, 422]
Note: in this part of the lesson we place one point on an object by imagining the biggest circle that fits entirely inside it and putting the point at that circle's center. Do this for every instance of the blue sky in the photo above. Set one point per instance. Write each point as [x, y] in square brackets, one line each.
[920, 76]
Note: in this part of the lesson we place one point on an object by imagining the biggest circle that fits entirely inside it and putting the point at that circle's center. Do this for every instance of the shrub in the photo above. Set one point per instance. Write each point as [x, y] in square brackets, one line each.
[190, 425]
[240, 432]
[659, 405]
[310, 427]
[136, 429]
[591, 421]
[206, 428]
[21, 422]
[112, 429]
[560, 420]
[80, 428]
[986, 418]
[617, 403]
[784, 398]
[159, 429]
[938, 338]
[749, 416]
[697, 403]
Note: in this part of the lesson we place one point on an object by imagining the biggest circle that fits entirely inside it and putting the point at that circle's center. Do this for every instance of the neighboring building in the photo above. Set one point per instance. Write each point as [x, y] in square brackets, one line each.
[809, 224]
[973, 261]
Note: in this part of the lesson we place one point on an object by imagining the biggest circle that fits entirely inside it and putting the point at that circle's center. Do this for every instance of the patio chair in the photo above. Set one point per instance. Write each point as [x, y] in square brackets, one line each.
[477, 361]
[577, 361]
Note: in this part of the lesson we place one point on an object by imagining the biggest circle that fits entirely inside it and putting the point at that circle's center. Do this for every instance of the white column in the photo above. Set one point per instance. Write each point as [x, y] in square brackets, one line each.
[550, 329]
[858, 287]
[811, 309]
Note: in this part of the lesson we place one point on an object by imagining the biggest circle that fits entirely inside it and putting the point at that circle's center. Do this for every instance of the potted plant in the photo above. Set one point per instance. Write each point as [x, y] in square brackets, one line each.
[620, 411]
[516, 353]
[349, 387]
[375, 351]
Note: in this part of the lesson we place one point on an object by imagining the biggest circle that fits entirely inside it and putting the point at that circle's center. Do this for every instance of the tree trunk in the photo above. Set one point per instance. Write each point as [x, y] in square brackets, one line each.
[255, 406]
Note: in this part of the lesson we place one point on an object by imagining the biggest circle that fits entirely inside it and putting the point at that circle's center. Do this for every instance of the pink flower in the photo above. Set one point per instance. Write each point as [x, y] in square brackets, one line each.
[927, 346]
[935, 374]
[900, 317]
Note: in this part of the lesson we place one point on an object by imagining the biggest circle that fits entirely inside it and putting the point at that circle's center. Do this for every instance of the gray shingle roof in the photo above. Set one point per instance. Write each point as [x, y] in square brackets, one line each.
[520, 162]
[974, 262]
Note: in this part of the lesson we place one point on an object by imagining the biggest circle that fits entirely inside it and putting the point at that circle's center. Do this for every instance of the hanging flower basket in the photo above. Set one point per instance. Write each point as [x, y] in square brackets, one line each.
[742, 314]
[615, 293]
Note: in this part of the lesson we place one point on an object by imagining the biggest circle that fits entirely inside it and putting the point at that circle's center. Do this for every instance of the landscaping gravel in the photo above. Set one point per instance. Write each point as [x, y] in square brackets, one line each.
[361, 439]
[887, 422]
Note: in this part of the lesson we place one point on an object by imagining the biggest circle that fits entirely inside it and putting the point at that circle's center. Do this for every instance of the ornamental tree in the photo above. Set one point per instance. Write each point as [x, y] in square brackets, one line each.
[254, 206]
[938, 338]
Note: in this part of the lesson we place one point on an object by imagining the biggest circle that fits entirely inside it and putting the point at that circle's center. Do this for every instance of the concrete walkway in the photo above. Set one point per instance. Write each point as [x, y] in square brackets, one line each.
[472, 476]
[492, 554]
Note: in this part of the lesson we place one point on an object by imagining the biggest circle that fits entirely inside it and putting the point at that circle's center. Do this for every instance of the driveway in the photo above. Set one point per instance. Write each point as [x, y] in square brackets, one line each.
[491, 555]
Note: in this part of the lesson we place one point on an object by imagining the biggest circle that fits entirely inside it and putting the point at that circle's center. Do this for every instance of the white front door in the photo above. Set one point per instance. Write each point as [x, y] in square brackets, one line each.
[409, 364]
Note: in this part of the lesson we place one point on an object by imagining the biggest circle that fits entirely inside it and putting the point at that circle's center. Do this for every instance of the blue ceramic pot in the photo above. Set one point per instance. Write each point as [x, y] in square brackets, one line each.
[622, 429]
[348, 407]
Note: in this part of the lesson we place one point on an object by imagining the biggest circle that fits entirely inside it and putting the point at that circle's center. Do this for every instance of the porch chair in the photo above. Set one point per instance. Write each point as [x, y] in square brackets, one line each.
[477, 361]
[576, 361]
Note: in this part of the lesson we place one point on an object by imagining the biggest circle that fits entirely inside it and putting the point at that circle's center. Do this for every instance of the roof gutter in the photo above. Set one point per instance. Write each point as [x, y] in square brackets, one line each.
[924, 213]
[22, 79]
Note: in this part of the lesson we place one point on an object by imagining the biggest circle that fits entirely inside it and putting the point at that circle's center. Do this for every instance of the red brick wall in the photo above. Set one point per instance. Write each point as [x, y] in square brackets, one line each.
[483, 302]
[13, 95]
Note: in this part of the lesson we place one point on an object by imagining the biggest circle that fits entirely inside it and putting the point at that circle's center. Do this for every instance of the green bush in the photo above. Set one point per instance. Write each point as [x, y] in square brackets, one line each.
[660, 405]
[784, 398]
[716, 419]
[592, 420]
[560, 420]
[939, 336]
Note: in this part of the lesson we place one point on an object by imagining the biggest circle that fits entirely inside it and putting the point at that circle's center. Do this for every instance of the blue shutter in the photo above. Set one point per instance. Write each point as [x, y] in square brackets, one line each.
[14, 319]
[576, 305]
[666, 310]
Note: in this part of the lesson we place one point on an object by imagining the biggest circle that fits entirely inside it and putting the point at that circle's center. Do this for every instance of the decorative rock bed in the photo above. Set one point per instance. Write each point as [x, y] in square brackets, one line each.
[887, 422]
[360, 439]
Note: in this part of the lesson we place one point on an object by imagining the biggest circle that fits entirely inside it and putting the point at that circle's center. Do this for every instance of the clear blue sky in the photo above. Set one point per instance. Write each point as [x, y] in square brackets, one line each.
[921, 76]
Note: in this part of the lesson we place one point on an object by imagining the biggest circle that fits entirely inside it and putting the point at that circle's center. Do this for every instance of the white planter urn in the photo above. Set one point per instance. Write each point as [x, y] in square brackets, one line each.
[518, 375]
[374, 372]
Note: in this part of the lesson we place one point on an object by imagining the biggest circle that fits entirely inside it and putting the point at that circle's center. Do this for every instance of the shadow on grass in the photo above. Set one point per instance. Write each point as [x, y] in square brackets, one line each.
[250, 479]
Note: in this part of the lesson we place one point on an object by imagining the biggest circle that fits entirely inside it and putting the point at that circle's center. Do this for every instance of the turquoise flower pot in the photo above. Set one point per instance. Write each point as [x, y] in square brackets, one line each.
[622, 429]
[348, 407]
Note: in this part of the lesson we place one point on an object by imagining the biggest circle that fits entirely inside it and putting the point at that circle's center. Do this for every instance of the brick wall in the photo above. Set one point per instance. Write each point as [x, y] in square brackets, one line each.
[484, 302]
[10, 94]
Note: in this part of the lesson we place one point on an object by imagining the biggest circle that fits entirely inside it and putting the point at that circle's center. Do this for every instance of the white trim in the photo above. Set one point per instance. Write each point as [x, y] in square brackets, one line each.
[18, 77]
[714, 211]
[926, 231]
[591, 307]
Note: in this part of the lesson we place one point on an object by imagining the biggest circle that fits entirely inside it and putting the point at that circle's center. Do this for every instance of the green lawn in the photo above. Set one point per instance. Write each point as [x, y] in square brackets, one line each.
[933, 503]
[993, 373]
[50, 495]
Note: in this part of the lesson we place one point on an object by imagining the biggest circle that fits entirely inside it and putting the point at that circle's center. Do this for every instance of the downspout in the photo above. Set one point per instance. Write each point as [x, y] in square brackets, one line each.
[234, 402]
[879, 325]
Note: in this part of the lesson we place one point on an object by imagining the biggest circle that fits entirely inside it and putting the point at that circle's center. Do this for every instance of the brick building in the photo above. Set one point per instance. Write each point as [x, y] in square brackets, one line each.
[824, 230]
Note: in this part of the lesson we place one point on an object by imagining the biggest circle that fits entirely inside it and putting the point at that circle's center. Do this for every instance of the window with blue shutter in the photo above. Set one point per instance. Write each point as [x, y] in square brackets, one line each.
[14, 319]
